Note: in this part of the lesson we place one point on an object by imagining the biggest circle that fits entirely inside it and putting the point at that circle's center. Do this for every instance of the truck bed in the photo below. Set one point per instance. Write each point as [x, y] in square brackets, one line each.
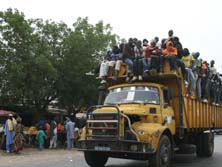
[202, 116]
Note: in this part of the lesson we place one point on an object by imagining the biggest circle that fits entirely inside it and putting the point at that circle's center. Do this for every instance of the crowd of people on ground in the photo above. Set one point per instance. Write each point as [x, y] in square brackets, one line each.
[14, 138]
[143, 58]
[46, 137]
[49, 133]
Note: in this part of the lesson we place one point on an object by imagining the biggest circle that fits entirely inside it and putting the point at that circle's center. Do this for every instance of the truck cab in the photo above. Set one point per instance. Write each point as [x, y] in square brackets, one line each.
[130, 124]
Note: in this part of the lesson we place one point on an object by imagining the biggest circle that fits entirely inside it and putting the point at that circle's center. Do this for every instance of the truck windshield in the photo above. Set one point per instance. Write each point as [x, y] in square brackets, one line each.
[133, 94]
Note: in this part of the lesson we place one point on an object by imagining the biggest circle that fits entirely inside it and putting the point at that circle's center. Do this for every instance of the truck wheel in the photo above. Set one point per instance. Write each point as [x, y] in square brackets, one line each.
[95, 159]
[200, 146]
[162, 156]
[208, 144]
[205, 145]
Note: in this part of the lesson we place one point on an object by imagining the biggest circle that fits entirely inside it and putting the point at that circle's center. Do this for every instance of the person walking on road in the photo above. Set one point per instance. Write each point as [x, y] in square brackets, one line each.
[19, 136]
[40, 137]
[70, 133]
[53, 134]
[10, 125]
[47, 132]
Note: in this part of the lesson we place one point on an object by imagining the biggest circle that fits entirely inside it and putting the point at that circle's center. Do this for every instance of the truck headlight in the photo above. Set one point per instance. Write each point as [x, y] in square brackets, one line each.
[141, 132]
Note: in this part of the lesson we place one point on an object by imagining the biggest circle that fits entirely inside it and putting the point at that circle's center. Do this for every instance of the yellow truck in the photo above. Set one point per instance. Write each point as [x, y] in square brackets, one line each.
[150, 120]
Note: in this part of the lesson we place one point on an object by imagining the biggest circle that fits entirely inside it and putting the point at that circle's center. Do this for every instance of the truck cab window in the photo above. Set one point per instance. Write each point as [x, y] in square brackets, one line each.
[133, 94]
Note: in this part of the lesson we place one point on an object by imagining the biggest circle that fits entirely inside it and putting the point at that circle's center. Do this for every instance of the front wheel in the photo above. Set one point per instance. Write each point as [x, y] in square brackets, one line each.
[95, 159]
[162, 156]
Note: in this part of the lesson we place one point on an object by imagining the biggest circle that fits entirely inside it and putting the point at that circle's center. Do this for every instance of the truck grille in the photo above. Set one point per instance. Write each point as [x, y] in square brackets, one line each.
[103, 125]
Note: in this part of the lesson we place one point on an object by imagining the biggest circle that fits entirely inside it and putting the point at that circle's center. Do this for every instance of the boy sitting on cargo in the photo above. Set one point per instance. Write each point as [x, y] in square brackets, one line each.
[188, 60]
[104, 66]
[204, 76]
[128, 56]
[196, 68]
[137, 62]
[214, 88]
[180, 54]
[211, 83]
[115, 62]
[170, 53]
[156, 57]
[219, 92]
[112, 62]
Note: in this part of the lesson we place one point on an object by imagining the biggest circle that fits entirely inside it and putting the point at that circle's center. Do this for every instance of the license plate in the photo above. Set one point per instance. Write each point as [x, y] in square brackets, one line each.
[101, 148]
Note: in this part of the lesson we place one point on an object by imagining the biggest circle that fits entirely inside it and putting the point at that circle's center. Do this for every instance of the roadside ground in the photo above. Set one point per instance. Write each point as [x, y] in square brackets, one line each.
[34, 155]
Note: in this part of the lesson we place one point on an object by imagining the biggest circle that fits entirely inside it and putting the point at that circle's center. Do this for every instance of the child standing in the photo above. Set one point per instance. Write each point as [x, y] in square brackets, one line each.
[40, 137]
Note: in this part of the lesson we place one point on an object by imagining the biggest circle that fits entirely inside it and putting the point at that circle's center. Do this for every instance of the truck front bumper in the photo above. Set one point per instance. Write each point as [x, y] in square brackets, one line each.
[113, 148]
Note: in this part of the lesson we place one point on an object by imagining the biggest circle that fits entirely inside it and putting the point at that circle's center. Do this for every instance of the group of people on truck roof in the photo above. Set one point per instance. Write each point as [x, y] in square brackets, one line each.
[142, 58]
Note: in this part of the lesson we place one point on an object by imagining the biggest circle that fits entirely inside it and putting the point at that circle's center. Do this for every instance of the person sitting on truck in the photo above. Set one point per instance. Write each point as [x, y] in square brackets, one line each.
[146, 58]
[211, 85]
[197, 72]
[169, 38]
[213, 88]
[218, 90]
[115, 63]
[178, 45]
[194, 65]
[116, 60]
[119, 60]
[112, 61]
[137, 62]
[156, 57]
[104, 66]
[204, 76]
[145, 44]
[170, 53]
[180, 54]
[128, 56]
[158, 44]
[163, 43]
[170, 35]
[188, 60]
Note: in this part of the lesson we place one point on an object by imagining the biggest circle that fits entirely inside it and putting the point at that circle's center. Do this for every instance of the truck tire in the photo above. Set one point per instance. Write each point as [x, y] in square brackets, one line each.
[200, 146]
[208, 144]
[95, 159]
[162, 157]
[205, 145]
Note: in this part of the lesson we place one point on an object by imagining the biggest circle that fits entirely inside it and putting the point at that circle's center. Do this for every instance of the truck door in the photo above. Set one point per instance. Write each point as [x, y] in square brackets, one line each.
[167, 111]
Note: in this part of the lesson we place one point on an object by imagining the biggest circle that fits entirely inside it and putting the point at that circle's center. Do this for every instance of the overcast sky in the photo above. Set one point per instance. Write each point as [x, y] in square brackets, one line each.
[197, 23]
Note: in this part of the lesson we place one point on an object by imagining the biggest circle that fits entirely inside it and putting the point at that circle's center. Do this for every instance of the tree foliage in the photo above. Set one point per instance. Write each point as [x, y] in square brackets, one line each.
[42, 60]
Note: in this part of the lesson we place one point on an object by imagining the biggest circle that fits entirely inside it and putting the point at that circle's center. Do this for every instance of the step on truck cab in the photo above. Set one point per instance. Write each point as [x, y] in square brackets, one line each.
[149, 120]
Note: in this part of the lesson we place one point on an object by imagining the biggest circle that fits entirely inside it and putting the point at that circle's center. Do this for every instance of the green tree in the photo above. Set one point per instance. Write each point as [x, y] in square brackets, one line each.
[30, 52]
[15, 43]
[42, 60]
[83, 50]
